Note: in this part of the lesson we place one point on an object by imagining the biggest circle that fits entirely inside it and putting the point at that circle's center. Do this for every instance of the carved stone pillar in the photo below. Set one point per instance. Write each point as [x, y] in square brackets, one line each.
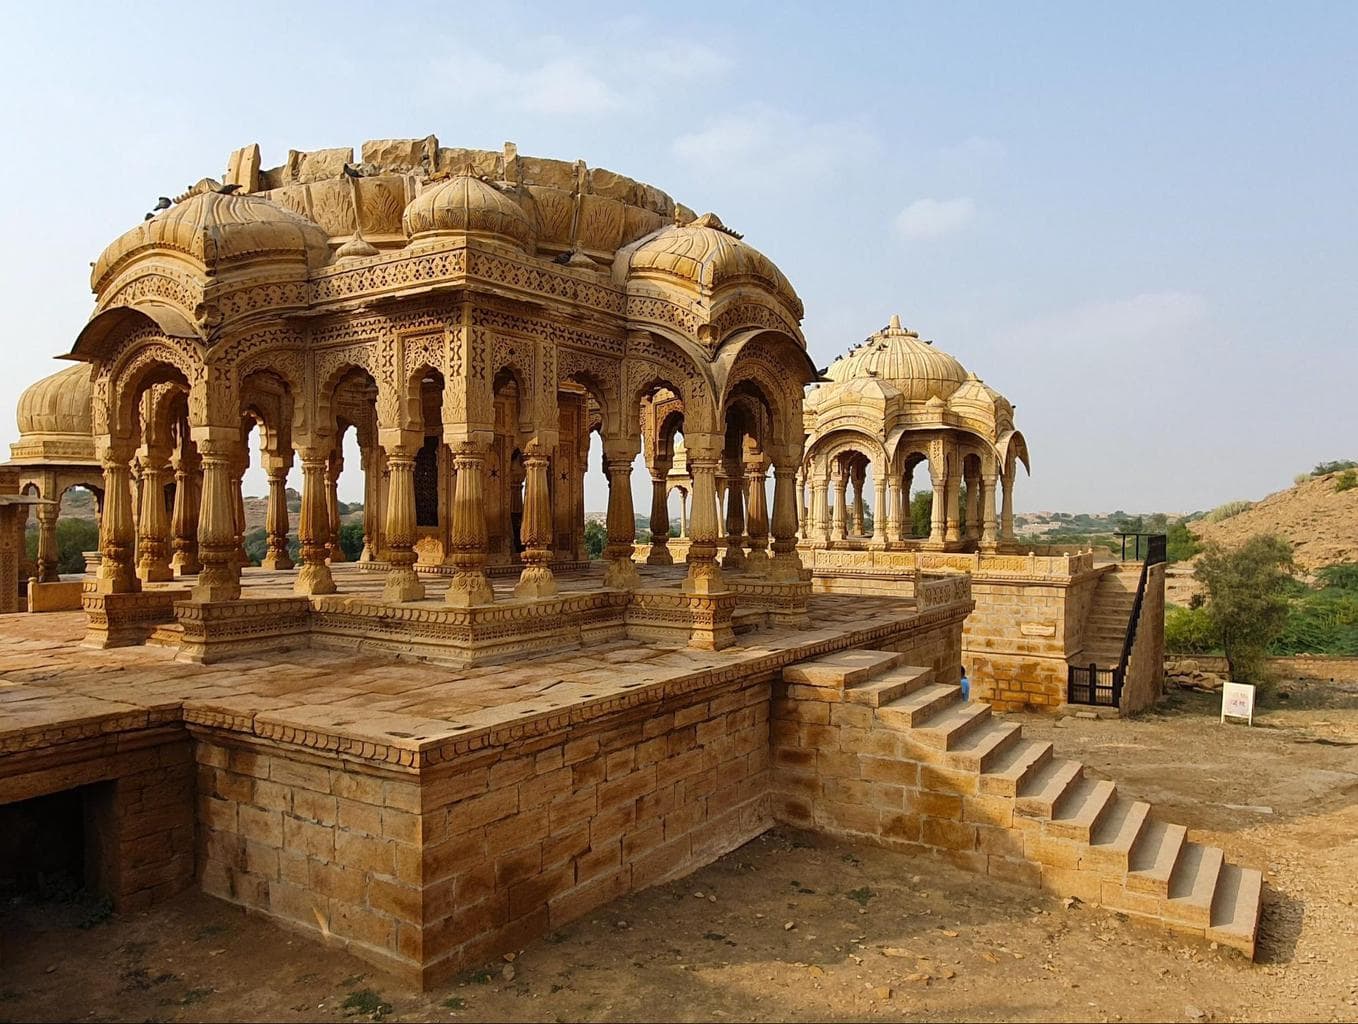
[334, 466]
[803, 512]
[188, 494]
[892, 527]
[937, 513]
[735, 516]
[904, 527]
[535, 532]
[841, 518]
[758, 559]
[469, 584]
[313, 525]
[820, 511]
[218, 542]
[153, 550]
[989, 528]
[881, 521]
[276, 514]
[660, 517]
[704, 574]
[973, 503]
[402, 583]
[785, 566]
[1007, 510]
[858, 476]
[239, 465]
[951, 506]
[116, 572]
[621, 571]
[47, 542]
[372, 466]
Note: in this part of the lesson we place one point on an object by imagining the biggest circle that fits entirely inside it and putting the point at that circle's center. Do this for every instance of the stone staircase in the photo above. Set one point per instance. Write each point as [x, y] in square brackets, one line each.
[901, 760]
[1109, 617]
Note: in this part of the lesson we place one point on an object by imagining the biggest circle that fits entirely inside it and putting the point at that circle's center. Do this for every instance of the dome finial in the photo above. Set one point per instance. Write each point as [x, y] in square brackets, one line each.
[895, 321]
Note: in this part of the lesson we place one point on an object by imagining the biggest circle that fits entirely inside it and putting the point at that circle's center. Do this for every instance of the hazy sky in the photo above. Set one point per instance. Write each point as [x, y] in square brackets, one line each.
[1138, 222]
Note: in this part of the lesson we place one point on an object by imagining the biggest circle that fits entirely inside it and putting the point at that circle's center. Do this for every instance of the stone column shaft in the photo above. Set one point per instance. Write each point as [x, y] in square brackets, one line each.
[188, 492]
[841, 520]
[333, 467]
[116, 575]
[218, 542]
[989, 528]
[735, 516]
[758, 519]
[660, 519]
[621, 526]
[402, 583]
[1007, 512]
[937, 515]
[535, 532]
[704, 574]
[880, 519]
[153, 553]
[469, 585]
[47, 543]
[313, 526]
[276, 521]
[785, 565]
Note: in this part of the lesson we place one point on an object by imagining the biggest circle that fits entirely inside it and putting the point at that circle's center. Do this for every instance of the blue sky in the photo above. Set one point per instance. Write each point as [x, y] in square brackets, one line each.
[1139, 223]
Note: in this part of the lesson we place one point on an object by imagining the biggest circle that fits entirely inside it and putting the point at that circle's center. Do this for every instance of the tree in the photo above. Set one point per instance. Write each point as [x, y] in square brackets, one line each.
[351, 540]
[921, 512]
[74, 538]
[1247, 590]
[1180, 543]
[595, 538]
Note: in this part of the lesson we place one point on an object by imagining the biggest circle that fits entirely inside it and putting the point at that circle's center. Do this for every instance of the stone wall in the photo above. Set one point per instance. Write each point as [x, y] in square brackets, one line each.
[835, 772]
[429, 874]
[138, 808]
[1145, 679]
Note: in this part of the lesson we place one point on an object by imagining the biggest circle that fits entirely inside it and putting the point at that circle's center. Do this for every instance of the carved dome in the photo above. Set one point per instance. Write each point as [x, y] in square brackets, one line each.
[708, 254]
[977, 401]
[464, 204]
[215, 228]
[59, 404]
[896, 354]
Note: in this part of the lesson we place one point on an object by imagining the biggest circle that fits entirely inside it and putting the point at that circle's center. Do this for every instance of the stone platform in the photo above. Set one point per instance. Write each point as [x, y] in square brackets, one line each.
[427, 816]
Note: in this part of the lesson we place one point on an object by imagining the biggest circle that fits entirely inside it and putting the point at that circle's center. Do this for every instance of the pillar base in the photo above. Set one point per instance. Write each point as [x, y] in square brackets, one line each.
[536, 581]
[186, 566]
[734, 559]
[206, 592]
[402, 585]
[155, 573]
[622, 574]
[277, 562]
[469, 589]
[703, 578]
[314, 578]
[659, 556]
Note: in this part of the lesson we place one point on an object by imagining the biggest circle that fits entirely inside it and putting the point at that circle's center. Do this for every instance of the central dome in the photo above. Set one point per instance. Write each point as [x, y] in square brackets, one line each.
[59, 404]
[464, 204]
[896, 354]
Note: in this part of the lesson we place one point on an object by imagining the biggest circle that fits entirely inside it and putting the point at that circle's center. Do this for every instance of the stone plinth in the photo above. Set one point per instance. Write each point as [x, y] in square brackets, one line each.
[671, 616]
[217, 630]
[122, 620]
[55, 597]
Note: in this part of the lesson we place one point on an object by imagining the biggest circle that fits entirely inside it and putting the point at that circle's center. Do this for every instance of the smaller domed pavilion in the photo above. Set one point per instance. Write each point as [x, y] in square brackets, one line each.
[888, 405]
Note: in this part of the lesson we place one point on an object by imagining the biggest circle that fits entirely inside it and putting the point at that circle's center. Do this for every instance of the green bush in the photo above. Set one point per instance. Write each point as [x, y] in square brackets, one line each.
[1247, 599]
[1190, 631]
[595, 538]
[74, 538]
[1346, 481]
[1231, 508]
[351, 540]
[1180, 544]
[1326, 468]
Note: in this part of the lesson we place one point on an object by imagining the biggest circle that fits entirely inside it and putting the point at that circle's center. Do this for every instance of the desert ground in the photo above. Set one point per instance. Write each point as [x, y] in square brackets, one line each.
[798, 927]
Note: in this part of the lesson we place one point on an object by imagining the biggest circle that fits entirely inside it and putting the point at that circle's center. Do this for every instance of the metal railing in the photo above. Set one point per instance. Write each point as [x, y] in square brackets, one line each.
[1154, 546]
[1102, 687]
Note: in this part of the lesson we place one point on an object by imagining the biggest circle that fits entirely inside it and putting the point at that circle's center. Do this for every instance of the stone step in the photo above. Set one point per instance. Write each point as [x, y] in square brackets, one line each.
[1154, 856]
[1110, 846]
[885, 688]
[1077, 814]
[1041, 792]
[948, 727]
[1235, 908]
[841, 669]
[985, 745]
[909, 711]
[1193, 886]
[1019, 764]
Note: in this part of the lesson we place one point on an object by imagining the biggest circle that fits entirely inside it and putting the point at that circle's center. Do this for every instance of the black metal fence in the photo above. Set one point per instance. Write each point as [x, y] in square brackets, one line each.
[1100, 687]
[1149, 547]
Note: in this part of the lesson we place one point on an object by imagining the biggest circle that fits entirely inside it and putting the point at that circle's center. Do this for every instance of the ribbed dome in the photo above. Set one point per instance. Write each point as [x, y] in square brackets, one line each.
[465, 204]
[59, 404]
[897, 354]
[706, 253]
[214, 228]
[978, 399]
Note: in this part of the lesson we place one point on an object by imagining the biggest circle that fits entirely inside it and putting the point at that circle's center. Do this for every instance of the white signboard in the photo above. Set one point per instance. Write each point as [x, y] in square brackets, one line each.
[1237, 701]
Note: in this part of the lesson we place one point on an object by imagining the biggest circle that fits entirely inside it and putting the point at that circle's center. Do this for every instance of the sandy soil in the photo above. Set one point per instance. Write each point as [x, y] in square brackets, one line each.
[794, 926]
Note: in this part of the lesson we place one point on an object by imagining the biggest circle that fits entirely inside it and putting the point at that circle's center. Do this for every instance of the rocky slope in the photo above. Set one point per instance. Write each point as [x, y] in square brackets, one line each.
[1320, 522]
